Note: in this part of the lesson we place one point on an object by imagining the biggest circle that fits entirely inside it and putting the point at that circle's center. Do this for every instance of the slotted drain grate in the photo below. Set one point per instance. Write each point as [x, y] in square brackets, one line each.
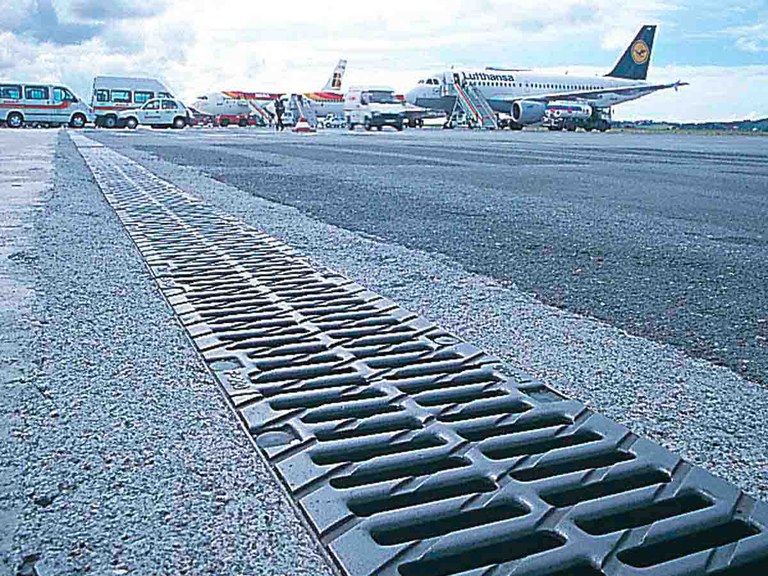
[410, 451]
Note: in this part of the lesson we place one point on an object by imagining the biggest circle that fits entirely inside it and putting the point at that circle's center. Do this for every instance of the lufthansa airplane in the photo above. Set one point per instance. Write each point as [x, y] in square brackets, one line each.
[529, 96]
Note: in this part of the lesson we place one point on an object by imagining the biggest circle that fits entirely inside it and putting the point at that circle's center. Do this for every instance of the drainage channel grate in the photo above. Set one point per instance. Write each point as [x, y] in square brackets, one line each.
[411, 452]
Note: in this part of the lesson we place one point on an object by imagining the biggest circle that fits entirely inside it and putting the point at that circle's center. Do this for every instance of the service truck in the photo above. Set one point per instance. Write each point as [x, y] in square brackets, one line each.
[373, 107]
[570, 115]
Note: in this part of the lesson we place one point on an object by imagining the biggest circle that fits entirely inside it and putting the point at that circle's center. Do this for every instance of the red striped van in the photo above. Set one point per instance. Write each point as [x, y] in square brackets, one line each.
[22, 103]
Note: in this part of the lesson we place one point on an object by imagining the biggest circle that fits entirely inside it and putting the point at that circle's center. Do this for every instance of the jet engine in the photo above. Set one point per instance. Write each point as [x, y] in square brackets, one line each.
[528, 112]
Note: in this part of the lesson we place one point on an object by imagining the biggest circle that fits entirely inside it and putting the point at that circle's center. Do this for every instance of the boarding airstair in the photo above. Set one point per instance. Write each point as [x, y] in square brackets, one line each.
[257, 110]
[300, 107]
[476, 109]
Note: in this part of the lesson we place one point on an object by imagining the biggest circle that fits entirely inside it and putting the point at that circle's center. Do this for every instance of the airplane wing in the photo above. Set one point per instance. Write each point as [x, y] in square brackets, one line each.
[636, 90]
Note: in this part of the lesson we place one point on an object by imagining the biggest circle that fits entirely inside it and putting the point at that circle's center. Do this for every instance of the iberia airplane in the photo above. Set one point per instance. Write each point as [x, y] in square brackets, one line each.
[329, 100]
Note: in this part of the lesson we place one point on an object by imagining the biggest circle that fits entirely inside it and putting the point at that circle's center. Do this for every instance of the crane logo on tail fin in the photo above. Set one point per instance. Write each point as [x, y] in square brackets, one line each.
[640, 52]
[634, 62]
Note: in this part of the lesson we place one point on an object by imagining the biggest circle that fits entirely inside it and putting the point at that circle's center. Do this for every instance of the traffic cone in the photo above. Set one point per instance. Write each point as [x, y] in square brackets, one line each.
[303, 127]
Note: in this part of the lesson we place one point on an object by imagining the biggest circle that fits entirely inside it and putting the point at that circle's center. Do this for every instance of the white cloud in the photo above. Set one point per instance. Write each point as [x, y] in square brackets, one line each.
[13, 12]
[14, 54]
[751, 38]
[200, 46]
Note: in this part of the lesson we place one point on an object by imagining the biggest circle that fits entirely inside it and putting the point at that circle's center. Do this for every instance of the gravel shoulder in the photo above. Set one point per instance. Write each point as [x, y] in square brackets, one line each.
[129, 459]
[709, 414]
[25, 181]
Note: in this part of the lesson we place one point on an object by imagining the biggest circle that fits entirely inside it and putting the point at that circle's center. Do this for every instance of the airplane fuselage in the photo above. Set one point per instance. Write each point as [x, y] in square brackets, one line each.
[502, 88]
[243, 103]
[232, 103]
[327, 103]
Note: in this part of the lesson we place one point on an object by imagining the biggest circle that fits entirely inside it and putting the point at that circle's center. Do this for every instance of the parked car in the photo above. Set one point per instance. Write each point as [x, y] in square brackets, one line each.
[332, 121]
[157, 113]
[47, 104]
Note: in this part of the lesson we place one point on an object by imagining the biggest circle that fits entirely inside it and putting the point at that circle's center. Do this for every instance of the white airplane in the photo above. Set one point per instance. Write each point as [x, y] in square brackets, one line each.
[563, 101]
[235, 103]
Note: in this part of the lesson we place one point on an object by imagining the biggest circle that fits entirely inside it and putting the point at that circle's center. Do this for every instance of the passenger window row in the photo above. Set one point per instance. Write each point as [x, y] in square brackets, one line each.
[126, 96]
[535, 85]
[15, 91]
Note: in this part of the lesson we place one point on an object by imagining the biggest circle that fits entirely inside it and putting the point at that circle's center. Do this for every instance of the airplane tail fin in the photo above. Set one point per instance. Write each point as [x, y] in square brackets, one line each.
[334, 82]
[633, 64]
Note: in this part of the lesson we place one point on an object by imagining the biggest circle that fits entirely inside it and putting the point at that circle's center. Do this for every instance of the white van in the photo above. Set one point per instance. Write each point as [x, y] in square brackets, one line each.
[373, 107]
[112, 94]
[50, 104]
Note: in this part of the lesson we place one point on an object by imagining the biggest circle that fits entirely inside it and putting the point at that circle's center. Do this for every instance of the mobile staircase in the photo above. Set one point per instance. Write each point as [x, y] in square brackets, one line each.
[257, 110]
[300, 107]
[476, 109]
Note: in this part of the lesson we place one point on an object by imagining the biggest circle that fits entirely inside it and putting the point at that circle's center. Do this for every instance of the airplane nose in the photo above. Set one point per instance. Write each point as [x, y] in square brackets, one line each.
[412, 95]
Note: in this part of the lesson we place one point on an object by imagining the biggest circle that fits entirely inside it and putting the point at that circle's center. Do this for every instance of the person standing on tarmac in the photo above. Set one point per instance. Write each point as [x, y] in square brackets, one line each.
[279, 111]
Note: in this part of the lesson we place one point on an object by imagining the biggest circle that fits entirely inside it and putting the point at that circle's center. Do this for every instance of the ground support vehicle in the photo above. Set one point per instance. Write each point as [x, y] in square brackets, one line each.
[197, 118]
[242, 120]
[571, 116]
[373, 107]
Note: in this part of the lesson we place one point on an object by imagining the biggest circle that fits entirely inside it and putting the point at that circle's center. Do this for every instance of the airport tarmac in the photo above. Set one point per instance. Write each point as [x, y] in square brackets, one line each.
[625, 270]
[662, 236]
[474, 230]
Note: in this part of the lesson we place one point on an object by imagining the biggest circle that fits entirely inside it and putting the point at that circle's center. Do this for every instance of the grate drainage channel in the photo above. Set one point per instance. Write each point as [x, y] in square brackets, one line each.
[410, 451]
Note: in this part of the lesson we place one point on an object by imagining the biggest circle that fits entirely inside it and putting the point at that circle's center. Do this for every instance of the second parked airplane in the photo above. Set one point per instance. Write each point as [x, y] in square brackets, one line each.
[532, 97]
[235, 103]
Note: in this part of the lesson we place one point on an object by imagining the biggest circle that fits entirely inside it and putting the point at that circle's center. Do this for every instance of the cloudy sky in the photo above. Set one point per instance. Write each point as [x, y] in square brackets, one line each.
[198, 46]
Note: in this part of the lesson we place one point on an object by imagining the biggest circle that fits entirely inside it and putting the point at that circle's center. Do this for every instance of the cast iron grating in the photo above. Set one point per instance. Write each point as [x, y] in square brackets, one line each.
[410, 451]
